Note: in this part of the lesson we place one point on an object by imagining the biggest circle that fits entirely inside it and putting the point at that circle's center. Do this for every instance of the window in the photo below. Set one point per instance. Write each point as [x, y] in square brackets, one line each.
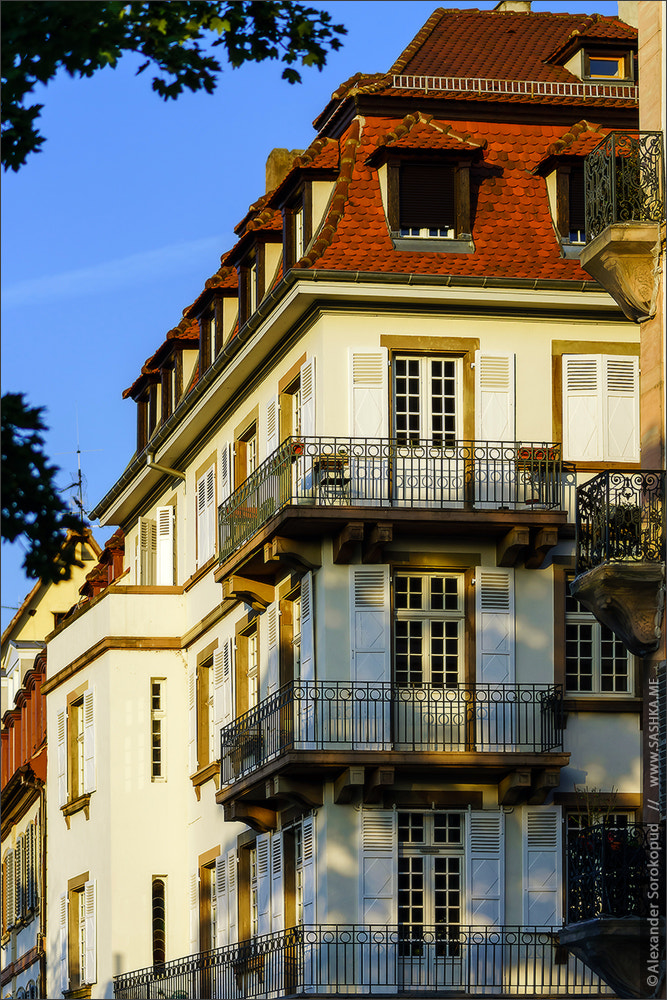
[297, 227]
[210, 335]
[428, 630]
[206, 743]
[145, 553]
[247, 668]
[158, 706]
[76, 782]
[251, 283]
[246, 454]
[78, 916]
[571, 202]
[596, 661]
[426, 399]
[159, 919]
[429, 202]
[608, 66]
[600, 408]
[75, 734]
[206, 516]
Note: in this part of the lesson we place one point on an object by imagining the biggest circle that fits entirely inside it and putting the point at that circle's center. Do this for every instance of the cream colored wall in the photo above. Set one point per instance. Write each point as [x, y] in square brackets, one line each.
[321, 192]
[606, 751]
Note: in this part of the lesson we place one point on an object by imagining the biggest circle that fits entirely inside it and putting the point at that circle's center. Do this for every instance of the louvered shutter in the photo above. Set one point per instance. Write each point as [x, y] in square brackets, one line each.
[30, 868]
[621, 408]
[495, 641]
[494, 397]
[231, 895]
[210, 511]
[90, 917]
[309, 884]
[272, 426]
[89, 740]
[226, 472]
[542, 863]
[147, 551]
[194, 912]
[10, 889]
[206, 516]
[222, 902]
[370, 634]
[379, 851]
[369, 393]
[165, 546]
[576, 200]
[582, 407]
[61, 737]
[19, 867]
[227, 682]
[273, 659]
[218, 700]
[263, 884]
[485, 868]
[192, 721]
[304, 690]
[277, 909]
[307, 383]
[307, 629]
[64, 951]
[426, 196]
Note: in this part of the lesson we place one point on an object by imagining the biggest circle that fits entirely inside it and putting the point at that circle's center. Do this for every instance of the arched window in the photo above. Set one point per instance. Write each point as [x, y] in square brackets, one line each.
[159, 919]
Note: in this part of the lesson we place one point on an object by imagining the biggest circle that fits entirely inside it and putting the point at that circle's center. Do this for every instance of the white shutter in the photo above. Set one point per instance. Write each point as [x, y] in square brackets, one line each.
[485, 868]
[272, 631]
[494, 593]
[64, 952]
[89, 740]
[309, 885]
[307, 629]
[277, 922]
[90, 917]
[10, 889]
[192, 721]
[226, 472]
[272, 426]
[218, 700]
[494, 397]
[222, 902]
[231, 894]
[61, 737]
[206, 516]
[227, 694]
[147, 551]
[369, 395]
[194, 912]
[165, 546]
[542, 863]
[582, 407]
[210, 511]
[307, 383]
[263, 884]
[621, 408]
[370, 626]
[379, 851]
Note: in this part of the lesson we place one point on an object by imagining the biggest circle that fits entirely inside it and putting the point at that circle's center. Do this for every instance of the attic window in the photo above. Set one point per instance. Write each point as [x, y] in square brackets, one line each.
[429, 206]
[571, 214]
[608, 66]
[251, 283]
[296, 227]
[210, 331]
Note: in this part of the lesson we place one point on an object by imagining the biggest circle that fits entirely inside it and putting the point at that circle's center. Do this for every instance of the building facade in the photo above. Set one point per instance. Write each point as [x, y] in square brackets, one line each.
[332, 725]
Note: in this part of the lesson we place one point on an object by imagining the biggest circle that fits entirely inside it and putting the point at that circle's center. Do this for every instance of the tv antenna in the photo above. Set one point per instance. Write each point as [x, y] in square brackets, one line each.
[79, 484]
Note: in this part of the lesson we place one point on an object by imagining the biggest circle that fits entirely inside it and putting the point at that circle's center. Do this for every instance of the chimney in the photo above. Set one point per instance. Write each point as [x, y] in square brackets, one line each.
[628, 12]
[513, 7]
[278, 165]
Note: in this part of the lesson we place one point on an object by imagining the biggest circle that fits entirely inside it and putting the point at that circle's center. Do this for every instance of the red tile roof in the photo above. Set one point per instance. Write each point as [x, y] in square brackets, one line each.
[419, 131]
[579, 140]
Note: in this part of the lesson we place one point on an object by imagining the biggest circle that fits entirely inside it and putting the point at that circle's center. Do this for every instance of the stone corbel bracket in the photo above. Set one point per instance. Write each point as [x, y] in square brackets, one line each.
[625, 259]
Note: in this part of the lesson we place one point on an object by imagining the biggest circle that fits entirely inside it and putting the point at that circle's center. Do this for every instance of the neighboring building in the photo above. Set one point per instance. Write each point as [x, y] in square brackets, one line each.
[23, 798]
[327, 731]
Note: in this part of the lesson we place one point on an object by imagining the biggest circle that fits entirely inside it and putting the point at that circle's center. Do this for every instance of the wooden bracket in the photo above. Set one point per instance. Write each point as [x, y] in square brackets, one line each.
[545, 539]
[257, 595]
[380, 535]
[544, 781]
[345, 541]
[512, 546]
[294, 791]
[257, 817]
[347, 783]
[380, 779]
[293, 552]
[514, 788]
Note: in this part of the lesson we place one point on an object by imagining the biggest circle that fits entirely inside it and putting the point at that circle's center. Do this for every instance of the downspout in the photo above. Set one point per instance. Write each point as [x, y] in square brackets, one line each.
[150, 464]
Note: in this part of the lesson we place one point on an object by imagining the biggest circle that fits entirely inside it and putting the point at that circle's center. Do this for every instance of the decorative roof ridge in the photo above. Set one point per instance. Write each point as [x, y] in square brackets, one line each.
[404, 128]
[260, 221]
[310, 155]
[572, 134]
[353, 85]
[339, 198]
[417, 42]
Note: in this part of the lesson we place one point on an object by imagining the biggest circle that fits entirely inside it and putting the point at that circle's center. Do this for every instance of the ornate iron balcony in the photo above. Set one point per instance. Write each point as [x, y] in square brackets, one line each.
[361, 715]
[621, 518]
[357, 959]
[388, 472]
[624, 181]
[613, 869]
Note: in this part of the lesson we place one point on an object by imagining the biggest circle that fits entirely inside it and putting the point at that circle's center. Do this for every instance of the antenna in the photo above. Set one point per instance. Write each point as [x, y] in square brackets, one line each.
[78, 483]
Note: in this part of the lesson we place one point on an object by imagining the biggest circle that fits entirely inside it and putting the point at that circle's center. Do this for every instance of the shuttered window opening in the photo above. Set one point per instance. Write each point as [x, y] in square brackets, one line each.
[426, 200]
[577, 232]
[600, 408]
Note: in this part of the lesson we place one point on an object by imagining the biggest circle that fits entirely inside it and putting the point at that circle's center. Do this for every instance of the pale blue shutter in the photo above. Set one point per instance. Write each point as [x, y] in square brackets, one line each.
[542, 864]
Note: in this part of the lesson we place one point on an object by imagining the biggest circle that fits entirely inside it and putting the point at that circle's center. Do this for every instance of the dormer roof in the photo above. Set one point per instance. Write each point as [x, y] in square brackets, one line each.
[421, 132]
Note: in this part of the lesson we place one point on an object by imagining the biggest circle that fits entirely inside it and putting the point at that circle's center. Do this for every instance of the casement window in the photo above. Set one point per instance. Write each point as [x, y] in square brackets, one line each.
[600, 408]
[75, 734]
[159, 918]
[570, 202]
[78, 930]
[247, 669]
[608, 65]
[596, 661]
[172, 384]
[206, 516]
[251, 283]
[428, 629]
[297, 227]
[158, 728]
[246, 454]
[210, 333]
[21, 878]
[206, 744]
[426, 399]
[210, 705]
[208, 906]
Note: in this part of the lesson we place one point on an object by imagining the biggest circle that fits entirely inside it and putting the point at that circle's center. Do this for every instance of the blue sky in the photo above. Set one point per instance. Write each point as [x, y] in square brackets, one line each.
[111, 231]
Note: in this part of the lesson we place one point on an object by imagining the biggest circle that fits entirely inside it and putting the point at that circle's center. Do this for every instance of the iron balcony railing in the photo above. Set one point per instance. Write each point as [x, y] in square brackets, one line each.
[387, 472]
[357, 959]
[616, 871]
[362, 715]
[620, 518]
[624, 181]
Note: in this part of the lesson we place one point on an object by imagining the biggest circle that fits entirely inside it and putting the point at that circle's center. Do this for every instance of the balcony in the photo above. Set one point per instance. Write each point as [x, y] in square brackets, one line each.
[625, 210]
[349, 960]
[621, 553]
[335, 475]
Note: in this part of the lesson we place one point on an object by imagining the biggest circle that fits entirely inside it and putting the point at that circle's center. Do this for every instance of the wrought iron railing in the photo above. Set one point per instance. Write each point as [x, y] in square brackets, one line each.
[612, 871]
[362, 715]
[621, 517]
[387, 472]
[357, 959]
[624, 181]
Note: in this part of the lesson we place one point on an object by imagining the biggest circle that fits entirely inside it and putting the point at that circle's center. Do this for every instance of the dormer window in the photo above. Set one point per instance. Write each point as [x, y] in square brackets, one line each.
[172, 374]
[296, 227]
[608, 66]
[570, 205]
[210, 335]
[429, 205]
[251, 283]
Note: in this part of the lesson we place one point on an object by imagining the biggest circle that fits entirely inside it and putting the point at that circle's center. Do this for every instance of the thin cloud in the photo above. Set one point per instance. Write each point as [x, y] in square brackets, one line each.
[108, 275]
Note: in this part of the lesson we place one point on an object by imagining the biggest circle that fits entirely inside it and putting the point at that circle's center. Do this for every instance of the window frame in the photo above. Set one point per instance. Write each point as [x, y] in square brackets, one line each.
[429, 615]
[251, 282]
[293, 247]
[623, 58]
[158, 715]
[461, 204]
[598, 635]
[156, 931]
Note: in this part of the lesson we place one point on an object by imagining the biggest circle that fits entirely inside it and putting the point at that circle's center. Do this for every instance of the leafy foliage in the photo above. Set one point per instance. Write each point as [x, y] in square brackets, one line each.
[176, 38]
[31, 506]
